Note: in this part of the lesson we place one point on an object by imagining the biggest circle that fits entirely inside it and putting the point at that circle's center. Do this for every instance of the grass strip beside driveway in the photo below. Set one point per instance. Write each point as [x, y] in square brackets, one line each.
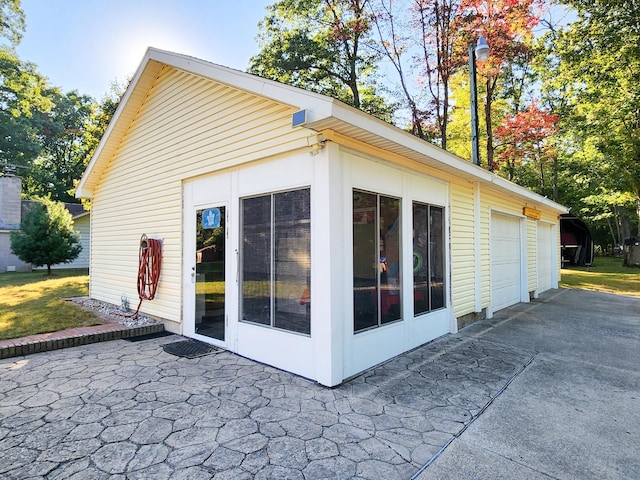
[605, 275]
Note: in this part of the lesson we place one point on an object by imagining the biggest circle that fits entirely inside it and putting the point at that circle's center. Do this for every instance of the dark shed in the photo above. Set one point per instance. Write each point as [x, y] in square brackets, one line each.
[576, 242]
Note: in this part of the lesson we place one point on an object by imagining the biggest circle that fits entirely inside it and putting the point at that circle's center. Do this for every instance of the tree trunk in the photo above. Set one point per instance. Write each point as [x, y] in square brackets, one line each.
[616, 244]
[638, 213]
[555, 179]
[487, 119]
[632, 255]
[49, 270]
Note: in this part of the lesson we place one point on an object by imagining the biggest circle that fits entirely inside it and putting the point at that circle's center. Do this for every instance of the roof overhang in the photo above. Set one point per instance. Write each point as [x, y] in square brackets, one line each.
[324, 114]
[81, 215]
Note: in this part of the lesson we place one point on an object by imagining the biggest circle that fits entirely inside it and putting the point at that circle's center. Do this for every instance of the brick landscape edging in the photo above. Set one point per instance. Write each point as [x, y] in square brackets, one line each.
[26, 346]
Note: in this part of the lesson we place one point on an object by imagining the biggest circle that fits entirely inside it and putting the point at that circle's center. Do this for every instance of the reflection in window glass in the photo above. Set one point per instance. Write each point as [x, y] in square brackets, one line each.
[376, 260]
[389, 259]
[436, 255]
[256, 259]
[276, 260]
[420, 258]
[292, 266]
[428, 258]
[365, 260]
[210, 271]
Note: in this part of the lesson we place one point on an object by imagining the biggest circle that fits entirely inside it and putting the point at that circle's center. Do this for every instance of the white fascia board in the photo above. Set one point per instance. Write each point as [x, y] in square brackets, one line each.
[80, 215]
[505, 184]
[81, 190]
[394, 134]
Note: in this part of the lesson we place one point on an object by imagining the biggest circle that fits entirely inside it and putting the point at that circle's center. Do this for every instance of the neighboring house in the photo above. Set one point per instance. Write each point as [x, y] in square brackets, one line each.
[341, 241]
[10, 218]
[12, 210]
[82, 225]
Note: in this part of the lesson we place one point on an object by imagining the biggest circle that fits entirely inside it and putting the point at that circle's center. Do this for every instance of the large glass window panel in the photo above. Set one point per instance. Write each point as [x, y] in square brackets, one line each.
[390, 299]
[436, 263]
[366, 260]
[256, 259]
[292, 265]
[376, 260]
[428, 258]
[421, 240]
[210, 272]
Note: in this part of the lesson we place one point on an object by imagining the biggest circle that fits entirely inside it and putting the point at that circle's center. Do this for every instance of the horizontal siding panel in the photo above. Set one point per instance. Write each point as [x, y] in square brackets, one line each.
[532, 255]
[204, 157]
[186, 126]
[462, 249]
[241, 116]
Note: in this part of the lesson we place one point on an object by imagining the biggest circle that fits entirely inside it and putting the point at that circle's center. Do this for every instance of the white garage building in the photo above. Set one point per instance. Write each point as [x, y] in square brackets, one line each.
[298, 231]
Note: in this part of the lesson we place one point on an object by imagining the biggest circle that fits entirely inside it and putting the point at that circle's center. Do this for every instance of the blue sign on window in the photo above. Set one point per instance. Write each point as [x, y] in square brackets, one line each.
[211, 218]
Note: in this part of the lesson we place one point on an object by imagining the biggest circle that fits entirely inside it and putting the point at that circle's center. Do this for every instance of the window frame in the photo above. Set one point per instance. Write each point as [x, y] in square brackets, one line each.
[429, 256]
[306, 293]
[377, 222]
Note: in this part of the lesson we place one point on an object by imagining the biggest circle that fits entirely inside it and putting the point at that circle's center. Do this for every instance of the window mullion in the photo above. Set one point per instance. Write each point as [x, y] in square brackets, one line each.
[273, 262]
[378, 283]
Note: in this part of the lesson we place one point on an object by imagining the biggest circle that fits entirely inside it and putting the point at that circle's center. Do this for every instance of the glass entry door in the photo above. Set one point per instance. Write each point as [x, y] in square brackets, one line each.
[209, 271]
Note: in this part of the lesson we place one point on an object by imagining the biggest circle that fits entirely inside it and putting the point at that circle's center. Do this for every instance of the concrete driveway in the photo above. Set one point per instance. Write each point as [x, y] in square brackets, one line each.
[574, 412]
[549, 389]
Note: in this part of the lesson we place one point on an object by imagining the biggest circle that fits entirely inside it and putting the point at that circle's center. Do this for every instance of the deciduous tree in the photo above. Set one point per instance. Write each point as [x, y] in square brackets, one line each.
[593, 72]
[63, 135]
[21, 95]
[507, 26]
[526, 138]
[321, 45]
[12, 22]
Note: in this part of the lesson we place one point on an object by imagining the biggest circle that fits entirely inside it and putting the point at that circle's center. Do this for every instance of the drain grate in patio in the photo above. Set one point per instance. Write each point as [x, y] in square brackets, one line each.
[189, 348]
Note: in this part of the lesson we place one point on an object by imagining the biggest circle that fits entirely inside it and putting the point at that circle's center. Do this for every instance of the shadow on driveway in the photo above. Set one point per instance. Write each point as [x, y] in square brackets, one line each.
[545, 389]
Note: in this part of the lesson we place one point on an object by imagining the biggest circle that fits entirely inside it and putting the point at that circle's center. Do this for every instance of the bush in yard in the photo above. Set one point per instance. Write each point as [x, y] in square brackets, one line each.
[46, 236]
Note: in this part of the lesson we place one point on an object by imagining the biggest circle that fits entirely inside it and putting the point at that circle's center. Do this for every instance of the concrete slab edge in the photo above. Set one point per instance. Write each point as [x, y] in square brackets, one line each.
[482, 410]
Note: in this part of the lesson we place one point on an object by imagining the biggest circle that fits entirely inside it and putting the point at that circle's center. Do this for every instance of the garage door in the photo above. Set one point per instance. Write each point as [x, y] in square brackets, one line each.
[506, 266]
[545, 257]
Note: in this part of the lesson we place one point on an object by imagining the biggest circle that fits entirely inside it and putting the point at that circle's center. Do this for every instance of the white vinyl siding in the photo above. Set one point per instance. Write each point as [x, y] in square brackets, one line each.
[462, 249]
[82, 226]
[545, 243]
[187, 126]
[532, 255]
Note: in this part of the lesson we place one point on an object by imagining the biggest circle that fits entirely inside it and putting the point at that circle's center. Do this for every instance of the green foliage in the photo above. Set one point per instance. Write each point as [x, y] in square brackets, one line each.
[11, 20]
[46, 236]
[21, 96]
[100, 118]
[589, 75]
[62, 134]
[321, 45]
[459, 130]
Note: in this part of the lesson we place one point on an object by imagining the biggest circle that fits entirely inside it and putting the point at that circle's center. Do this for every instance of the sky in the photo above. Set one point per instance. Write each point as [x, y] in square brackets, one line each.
[85, 45]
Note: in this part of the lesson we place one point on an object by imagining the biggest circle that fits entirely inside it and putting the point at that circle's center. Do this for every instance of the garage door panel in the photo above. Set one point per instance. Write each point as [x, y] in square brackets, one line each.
[506, 262]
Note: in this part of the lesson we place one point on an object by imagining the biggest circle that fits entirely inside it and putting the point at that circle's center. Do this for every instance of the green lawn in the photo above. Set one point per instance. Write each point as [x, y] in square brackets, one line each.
[32, 303]
[606, 275]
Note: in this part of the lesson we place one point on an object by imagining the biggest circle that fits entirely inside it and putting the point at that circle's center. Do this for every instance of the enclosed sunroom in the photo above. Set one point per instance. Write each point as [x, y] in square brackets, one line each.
[298, 231]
